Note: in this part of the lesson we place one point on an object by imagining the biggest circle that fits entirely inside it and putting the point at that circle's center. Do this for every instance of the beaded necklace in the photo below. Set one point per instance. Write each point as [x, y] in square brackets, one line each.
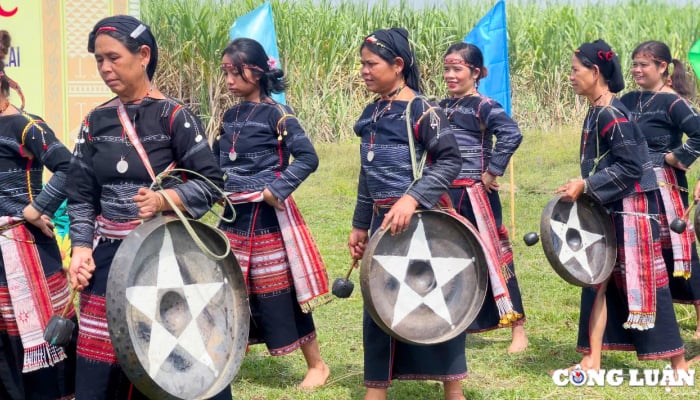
[376, 115]
[449, 110]
[232, 155]
[641, 106]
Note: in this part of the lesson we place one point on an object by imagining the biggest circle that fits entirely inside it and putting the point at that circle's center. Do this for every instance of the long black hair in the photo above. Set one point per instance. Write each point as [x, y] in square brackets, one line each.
[245, 52]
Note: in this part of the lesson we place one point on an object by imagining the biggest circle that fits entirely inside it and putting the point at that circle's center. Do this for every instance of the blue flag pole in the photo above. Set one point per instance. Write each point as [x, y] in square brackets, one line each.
[491, 37]
[260, 26]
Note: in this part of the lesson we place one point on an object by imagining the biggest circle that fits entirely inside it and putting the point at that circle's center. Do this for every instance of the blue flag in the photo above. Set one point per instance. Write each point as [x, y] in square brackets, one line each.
[694, 58]
[490, 36]
[259, 25]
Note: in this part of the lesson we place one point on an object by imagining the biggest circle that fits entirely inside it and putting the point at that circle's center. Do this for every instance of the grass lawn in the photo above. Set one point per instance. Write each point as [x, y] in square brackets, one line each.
[545, 160]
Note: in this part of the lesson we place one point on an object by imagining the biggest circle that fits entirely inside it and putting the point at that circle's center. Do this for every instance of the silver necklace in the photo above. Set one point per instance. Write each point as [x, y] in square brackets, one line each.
[232, 155]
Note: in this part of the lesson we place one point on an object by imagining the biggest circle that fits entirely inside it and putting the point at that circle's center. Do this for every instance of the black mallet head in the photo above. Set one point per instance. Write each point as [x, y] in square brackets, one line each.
[531, 238]
[342, 288]
[59, 331]
[678, 225]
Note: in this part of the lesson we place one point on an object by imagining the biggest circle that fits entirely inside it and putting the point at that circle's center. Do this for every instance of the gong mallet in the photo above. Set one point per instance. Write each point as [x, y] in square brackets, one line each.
[678, 224]
[59, 330]
[342, 287]
[531, 238]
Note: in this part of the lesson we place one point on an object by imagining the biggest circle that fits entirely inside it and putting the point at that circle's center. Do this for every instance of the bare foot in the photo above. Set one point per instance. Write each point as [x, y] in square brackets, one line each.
[584, 365]
[315, 377]
[693, 361]
[375, 394]
[453, 390]
[519, 342]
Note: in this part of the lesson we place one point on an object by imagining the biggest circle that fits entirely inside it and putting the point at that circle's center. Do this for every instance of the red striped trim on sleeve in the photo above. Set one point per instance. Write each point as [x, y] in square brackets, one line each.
[611, 123]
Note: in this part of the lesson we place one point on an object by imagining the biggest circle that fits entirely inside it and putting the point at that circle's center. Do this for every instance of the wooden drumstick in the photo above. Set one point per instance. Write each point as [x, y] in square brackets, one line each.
[70, 302]
[687, 211]
[352, 267]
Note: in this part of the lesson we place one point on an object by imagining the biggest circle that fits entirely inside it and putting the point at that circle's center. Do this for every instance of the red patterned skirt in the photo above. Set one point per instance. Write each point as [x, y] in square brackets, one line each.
[276, 317]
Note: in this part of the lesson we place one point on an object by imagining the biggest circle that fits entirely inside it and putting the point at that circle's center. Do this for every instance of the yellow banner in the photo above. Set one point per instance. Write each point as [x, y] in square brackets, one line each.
[50, 61]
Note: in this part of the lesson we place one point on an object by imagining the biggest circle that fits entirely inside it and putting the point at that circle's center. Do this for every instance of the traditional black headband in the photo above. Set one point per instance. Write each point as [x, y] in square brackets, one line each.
[601, 54]
[131, 27]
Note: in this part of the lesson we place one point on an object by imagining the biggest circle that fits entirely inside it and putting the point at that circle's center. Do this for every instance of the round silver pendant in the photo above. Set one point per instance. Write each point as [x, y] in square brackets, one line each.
[187, 125]
[232, 156]
[122, 166]
[370, 156]
[198, 138]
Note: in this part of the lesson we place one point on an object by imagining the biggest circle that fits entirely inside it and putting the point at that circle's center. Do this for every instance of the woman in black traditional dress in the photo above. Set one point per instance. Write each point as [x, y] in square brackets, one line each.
[632, 310]
[476, 120]
[33, 284]
[388, 197]
[284, 272]
[664, 115]
[110, 185]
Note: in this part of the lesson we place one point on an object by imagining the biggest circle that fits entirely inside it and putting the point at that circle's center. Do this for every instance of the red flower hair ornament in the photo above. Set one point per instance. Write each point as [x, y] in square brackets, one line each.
[605, 56]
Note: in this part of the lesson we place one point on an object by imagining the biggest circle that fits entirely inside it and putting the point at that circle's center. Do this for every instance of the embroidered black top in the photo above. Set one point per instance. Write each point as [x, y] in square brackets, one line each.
[663, 117]
[22, 162]
[168, 132]
[614, 155]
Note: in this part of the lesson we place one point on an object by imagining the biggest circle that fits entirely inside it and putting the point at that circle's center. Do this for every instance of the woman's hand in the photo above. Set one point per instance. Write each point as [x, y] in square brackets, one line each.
[149, 202]
[573, 189]
[272, 200]
[43, 222]
[399, 215]
[489, 181]
[81, 267]
[671, 160]
[357, 242]
[696, 192]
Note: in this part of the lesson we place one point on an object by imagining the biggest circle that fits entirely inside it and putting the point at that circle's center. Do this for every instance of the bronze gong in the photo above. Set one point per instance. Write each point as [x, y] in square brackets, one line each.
[178, 319]
[427, 284]
[579, 240]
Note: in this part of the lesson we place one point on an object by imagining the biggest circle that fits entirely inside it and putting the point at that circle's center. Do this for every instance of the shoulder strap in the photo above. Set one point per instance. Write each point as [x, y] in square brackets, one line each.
[417, 168]
[134, 138]
[599, 156]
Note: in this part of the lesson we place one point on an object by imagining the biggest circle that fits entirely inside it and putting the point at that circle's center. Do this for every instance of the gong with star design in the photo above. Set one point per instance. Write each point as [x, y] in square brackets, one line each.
[425, 285]
[579, 240]
[178, 319]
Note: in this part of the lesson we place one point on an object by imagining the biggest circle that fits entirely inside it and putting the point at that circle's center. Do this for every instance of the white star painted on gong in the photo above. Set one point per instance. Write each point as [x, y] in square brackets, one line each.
[444, 269]
[566, 253]
[197, 296]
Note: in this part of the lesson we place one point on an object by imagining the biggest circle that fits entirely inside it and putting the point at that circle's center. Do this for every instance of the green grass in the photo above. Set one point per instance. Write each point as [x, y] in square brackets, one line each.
[544, 161]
